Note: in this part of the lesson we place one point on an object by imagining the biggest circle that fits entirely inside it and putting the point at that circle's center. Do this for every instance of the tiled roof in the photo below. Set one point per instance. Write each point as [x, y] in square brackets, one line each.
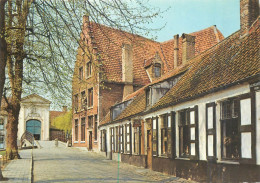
[204, 39]
[109, 43]
[232, 60]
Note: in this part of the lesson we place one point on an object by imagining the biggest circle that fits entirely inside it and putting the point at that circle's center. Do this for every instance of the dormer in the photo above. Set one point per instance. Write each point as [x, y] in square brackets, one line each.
[155, 91]
[154, 67]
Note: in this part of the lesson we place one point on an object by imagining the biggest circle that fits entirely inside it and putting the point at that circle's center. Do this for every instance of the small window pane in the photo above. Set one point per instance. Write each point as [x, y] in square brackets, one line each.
[210, 117]
[192, 149]
[169, 121]
[245, 110]
[210, 145]
[246, 145]
[154, 124]
[192, 117]
[192, 133]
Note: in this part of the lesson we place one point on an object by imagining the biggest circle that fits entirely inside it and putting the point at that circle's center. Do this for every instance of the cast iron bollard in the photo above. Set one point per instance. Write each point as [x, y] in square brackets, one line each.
[56, 142]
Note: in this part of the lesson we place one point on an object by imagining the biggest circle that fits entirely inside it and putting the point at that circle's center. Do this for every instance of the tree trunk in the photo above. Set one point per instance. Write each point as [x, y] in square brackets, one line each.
[11, 131]
[3, 48]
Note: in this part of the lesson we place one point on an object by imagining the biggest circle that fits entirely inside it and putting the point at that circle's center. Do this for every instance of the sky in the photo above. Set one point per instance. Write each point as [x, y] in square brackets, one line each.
[187, 16]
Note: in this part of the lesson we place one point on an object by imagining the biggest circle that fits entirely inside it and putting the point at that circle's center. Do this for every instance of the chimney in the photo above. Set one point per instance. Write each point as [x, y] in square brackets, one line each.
[176, 50]
[64, 108]
[127, 69]
[249, 11]
[188, 47]
[85, 19]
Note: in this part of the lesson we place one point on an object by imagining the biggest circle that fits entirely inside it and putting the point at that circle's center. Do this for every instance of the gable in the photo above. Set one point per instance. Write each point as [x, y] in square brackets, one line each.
[34, 98]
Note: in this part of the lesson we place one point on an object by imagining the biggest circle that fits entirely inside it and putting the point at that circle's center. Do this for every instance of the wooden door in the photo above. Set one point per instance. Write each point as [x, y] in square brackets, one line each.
[149, 149]
[90, 141]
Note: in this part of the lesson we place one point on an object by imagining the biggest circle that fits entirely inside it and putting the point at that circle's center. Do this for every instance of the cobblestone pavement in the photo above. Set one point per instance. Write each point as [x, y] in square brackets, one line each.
[19, 170]
[60, 164]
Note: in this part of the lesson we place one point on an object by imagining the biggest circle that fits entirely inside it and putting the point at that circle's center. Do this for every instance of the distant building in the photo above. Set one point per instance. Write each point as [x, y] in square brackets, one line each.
[35, 117]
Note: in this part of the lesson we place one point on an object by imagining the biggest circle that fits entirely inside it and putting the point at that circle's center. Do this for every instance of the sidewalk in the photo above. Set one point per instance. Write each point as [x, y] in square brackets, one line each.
[19, 170]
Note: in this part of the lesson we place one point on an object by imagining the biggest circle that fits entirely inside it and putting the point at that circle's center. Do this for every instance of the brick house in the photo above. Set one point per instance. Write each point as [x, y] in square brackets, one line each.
[200, 120]
[112, 64]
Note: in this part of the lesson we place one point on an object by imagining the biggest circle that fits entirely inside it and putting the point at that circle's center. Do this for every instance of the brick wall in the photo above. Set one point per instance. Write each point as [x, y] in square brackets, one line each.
[111, 94]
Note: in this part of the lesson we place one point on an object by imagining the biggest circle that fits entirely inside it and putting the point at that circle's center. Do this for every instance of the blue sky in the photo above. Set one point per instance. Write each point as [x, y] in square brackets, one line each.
[186, 16]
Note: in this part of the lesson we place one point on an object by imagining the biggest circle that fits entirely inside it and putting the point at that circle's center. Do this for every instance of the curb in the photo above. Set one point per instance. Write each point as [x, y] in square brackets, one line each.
[31, 169]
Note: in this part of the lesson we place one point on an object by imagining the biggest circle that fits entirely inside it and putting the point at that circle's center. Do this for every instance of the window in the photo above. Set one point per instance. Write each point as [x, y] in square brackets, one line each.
[238, 129]
[211, 130]
[95, 127]
[1, 123]
[83, 100]
[137, 140]
[117, 139]
[157, 70]
[164, 135]
[103, 140]
[230, 129]
[83, 126]
[112, 140]
[155, 136]
[76, 103]
[184, 134]
[81, 73]
[89, 69]
[188, 133]
[128, 137]
[121, 133]
[148, 97]
[90, 122]
[76, 130]
[90, 97]
[2, 137]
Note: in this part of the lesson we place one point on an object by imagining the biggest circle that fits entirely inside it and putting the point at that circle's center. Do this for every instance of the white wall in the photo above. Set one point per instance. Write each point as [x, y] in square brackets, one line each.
[41, 113]
[258, 127]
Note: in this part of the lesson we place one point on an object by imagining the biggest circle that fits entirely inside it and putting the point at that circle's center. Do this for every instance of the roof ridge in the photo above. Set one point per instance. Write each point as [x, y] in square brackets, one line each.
[123, 31]
[191, 33]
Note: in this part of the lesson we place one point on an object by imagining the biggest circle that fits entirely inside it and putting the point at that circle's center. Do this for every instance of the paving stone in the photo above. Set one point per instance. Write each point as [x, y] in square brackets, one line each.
[61, 164]
[19, 170]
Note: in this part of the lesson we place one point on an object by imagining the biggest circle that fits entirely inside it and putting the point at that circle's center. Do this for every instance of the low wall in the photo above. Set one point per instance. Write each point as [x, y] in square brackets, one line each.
[204, 171]
[137, 160]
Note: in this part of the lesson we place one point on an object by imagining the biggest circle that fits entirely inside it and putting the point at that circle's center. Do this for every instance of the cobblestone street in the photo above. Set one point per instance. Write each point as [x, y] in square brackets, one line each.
[60, 164]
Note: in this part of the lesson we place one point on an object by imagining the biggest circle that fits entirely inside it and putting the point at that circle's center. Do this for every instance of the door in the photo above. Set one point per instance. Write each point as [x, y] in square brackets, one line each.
[149, 149]
[34, 127]
[90, 141]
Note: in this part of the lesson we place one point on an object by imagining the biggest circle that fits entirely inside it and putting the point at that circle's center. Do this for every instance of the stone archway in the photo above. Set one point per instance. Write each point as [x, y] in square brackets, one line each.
[34, 126]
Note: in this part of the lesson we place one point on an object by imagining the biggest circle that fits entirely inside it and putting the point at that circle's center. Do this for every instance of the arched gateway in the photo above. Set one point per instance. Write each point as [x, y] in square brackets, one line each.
[34, 126]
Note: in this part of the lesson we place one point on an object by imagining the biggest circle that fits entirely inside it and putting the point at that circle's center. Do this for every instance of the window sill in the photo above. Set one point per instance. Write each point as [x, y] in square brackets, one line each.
[182, 158]
[163, 156]
[90, 107]
[82, 142]
[76, 142]
[88, 76]
[95, 141]
[228, 162]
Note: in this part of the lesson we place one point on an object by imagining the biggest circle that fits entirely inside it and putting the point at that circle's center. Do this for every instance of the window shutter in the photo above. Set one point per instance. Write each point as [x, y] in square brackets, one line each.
[171, 135]
[155, 136]
[211, 131]
[194, 140]
[247, 128]
[130, 129]
[101, 133]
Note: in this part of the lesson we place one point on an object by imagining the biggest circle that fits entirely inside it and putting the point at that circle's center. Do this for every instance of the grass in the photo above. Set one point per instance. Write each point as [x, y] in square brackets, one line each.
[2, 153]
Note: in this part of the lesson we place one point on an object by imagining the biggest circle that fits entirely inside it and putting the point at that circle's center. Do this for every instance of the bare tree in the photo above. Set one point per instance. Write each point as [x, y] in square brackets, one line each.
[42, 38]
